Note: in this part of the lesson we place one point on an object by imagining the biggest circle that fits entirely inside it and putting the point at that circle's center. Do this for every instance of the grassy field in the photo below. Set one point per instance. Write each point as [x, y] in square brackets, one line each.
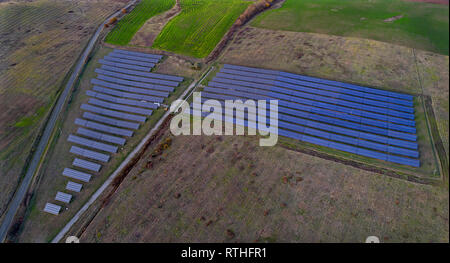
[199, 27]
[228, 189]
[422, 25]
[125, 29]
[40, 41]
[40, 226]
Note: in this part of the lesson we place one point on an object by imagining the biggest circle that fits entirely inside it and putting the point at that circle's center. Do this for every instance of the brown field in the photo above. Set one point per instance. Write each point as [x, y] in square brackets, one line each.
[228, 189]
[40, 41]
[353, 60]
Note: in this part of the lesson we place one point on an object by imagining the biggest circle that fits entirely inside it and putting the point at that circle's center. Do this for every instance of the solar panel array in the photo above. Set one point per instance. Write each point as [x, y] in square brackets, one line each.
[52, 208]
[124, 94]
[361, 120]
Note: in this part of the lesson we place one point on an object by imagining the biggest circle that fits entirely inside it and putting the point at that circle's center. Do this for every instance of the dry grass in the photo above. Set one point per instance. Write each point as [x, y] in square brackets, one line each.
[202, 189]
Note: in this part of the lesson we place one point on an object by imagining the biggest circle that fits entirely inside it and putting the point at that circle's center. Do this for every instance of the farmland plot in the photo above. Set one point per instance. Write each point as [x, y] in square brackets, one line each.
[199, 27]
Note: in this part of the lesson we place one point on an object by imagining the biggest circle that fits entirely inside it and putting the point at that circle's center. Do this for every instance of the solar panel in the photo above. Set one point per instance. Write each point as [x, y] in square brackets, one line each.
[137, 78]
[140, 54]
[89, 154]
[105, 128]
[92, 144]
[120, 100]
[121, 65]
[136, 84]
[52, 208]
[63, 197]
[130, 89]
[112, 113]
[137, 58]
[127, 95]
[143, 74]
[71, 173]
[74, 187]
[128, 61]
[101, 136]
[119, 107]
[110, 121]
[86, 164]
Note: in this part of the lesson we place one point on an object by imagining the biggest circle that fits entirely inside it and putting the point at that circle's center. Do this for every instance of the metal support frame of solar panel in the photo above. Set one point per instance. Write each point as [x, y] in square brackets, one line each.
[350, 149]
[122, 65]
[355, 141]
[127, 95]
[136, 58]
[330, 82]
[320, 86]
[63, 197]
[320, 98]
[112, 113]
[52, 208]
[140, 54]
[119, 123]
[144, 91]
[88, 165]
[104, 128]
[143, 74]
[101, 136]
[89, 154]
[92, 144]
[312, 116]
[137, 78]
[135, 84]
[323, 111]
[314, 90]
[74, 187]
[119, 107]
[128, 61]
[271, 91]
[75, 174]
[105, 97]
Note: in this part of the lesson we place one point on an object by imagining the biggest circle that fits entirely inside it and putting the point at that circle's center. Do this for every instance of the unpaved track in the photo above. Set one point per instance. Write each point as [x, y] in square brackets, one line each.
[48, 130]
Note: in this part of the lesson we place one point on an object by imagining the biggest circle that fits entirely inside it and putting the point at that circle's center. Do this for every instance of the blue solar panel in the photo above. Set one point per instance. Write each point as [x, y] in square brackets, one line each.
[105, 128]
[89, 154]
[111, 121]
[101, 136]
[143, 74]
[135, 84]
[130, 62]
[136, 78]
[135, 53]
[130, 89]
[112, 113]
[127, 94]
[137, 58]
[92, 144]
[119, 107]
[126, 66]
[120, 100]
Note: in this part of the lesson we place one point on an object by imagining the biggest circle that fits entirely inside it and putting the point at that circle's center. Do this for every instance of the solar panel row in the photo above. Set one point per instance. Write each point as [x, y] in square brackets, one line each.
[130, 89]
[120, 100]
[86, 164]
[63, 197]
[101, 136]
[105, 128]
[52, 208]
[121, 65]
[134, 53]
[74, 187]
[111, 121]
[137, 78]
[143, 59]
[136, 84]
[112, 113]
[127, 95]
[119, 107]
[143, 74]
[128, 61]
[85, 177]
[92, 144]
[89, 154]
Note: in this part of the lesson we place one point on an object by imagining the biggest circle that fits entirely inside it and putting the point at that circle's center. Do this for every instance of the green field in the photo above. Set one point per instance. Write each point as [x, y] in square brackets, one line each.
[200, 26]
[423, 26]
[125, 29]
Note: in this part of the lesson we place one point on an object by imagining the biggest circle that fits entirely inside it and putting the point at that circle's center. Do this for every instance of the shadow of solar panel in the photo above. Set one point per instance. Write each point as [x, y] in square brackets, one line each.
[121, 100]
[89, 154]
[112, 113]
[126, 66]
[104, 128]
[74, 187]
[128, 61]
[136, 58]
[86, 165]
[130, 89]
[111, 121]
[143, 74]
[137, 78]
[101, 136]
[119, 107]
[127, 95]
[136, 84]
[63, 197]
[74, 174]
[92, 144]
[139, 54]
